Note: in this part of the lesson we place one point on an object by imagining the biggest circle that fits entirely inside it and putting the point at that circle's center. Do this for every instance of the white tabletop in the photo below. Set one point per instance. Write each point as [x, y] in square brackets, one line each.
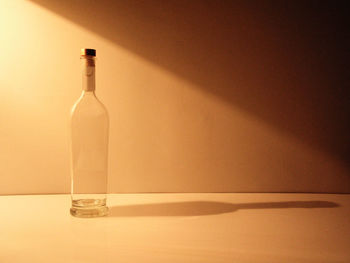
[178, 228]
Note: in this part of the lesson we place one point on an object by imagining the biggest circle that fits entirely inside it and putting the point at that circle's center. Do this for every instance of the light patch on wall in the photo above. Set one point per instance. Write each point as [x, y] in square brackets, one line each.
[167, 134]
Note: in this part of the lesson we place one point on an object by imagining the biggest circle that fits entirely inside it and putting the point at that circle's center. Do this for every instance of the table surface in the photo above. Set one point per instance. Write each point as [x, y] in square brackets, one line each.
[178, 228]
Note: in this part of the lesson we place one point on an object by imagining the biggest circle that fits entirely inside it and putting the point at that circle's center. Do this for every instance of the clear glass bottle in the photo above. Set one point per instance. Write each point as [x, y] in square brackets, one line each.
[89, 127]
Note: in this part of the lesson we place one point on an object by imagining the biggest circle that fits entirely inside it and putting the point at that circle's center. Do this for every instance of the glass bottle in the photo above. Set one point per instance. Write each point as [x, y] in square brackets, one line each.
[89, 125]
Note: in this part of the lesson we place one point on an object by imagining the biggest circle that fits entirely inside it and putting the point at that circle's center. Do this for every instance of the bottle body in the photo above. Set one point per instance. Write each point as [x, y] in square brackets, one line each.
[89, 127]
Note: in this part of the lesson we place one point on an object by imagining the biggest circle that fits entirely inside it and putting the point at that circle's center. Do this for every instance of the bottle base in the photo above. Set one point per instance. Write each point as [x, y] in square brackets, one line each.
[89, 208]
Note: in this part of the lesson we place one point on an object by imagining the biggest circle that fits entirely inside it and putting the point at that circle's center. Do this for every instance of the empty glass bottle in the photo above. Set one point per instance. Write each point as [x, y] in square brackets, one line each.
[89, 127]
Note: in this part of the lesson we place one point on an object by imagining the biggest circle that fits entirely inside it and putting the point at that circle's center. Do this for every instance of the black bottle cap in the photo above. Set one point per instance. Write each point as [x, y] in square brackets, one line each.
[88, 52]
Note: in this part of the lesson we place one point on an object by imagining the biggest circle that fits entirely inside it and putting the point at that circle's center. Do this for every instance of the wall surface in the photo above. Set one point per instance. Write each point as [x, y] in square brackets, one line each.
[203, 96]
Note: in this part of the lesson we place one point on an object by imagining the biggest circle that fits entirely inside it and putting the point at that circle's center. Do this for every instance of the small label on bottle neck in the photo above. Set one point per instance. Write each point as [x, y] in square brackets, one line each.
[89, 78]
[89, 71]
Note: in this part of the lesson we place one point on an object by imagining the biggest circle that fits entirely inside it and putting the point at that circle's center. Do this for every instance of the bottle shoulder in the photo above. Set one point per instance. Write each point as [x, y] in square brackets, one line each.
[89, 105]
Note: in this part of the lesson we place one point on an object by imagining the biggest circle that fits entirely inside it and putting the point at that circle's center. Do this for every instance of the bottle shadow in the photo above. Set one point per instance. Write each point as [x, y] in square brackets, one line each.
[200, 208]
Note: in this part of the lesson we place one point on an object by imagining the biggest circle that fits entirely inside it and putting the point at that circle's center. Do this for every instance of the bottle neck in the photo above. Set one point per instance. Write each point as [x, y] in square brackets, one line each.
[88, 73]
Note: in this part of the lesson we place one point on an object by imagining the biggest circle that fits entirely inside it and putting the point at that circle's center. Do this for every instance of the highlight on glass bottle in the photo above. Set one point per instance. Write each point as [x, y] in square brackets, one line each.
[89, 125]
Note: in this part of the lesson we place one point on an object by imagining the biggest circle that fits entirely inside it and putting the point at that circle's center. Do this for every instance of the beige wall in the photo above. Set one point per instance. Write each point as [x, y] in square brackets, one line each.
[202, 97]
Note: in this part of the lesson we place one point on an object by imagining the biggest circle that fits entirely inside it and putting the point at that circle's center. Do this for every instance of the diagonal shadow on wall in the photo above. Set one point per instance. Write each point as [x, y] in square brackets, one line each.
[284, 62]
